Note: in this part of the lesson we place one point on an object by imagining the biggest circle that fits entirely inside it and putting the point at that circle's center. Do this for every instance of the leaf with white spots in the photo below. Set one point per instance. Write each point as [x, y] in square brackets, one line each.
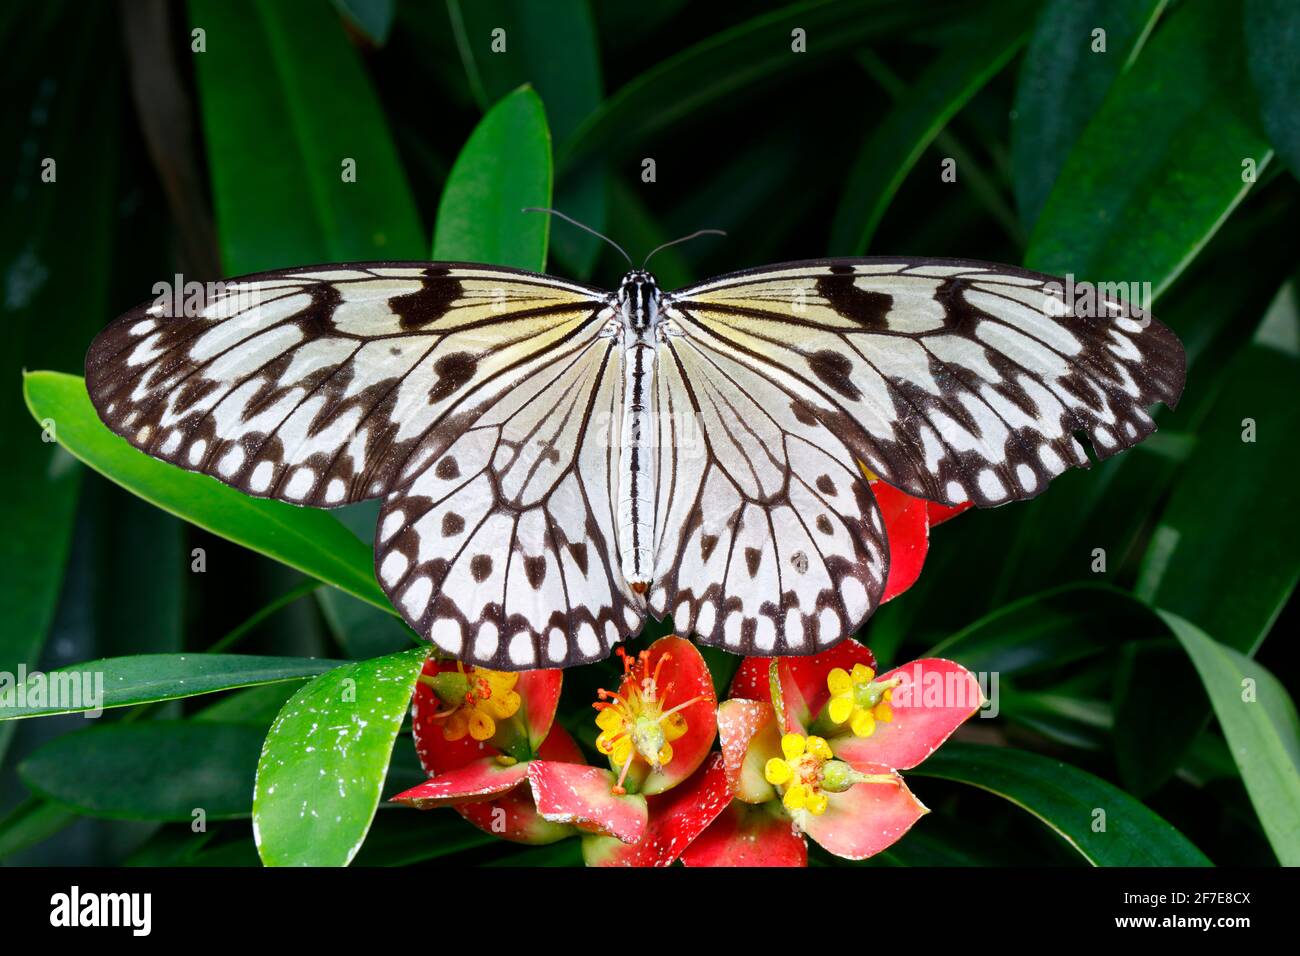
[325, 758]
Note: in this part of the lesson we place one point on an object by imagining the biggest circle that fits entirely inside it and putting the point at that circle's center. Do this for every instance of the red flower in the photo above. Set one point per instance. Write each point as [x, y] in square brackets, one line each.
[812, 746]
[482, 735]
[483, 775]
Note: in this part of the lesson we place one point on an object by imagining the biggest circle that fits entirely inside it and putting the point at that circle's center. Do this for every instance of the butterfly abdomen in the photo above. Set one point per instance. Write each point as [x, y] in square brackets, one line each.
[636, 472]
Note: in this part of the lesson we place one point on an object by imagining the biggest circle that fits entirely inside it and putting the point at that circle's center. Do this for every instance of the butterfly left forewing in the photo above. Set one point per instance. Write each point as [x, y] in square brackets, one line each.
[314, 385]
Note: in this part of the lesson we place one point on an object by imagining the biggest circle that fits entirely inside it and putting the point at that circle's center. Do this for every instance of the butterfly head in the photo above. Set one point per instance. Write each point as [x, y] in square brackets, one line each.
[638, 301]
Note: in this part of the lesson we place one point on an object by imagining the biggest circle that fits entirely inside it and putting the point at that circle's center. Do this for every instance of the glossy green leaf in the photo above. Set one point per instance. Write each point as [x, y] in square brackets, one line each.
[123, 681]
[708, 74]
[1272, 37]
[304, 538]
[1259, 720]
[1068, 801]
[504, 166]
[1164, 160]
[288, 112]
[1064, 78]
[152, 770]
[896, 143]
[324, 762]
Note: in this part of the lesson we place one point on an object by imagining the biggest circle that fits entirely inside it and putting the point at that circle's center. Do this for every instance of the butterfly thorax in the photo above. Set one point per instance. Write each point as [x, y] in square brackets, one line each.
[637, 301]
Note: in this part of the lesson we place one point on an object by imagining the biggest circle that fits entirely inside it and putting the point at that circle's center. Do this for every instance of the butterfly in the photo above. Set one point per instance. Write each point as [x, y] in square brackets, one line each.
[556, 461]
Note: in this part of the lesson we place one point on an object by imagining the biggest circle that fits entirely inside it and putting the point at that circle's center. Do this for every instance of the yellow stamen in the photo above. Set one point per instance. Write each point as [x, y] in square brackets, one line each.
[792, 745]
[796, 797]
[776, 771]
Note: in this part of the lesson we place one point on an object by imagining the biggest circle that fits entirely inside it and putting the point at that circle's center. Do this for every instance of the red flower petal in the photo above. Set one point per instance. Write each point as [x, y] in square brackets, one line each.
[907, 526]
[472, 782]
[676, 819]
[749, 736]
[803, 679]
[941, 513]
[584, 797]
[513, 815]
[933, 700]
[865, 819]
[540, 691]
[749, 835]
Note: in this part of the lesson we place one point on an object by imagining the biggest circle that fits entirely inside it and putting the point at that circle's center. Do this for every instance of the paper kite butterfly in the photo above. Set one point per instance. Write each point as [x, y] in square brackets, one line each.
[557, 461]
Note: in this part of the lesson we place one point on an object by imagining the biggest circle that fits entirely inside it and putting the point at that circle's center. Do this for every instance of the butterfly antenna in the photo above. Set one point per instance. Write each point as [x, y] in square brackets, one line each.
[696, 234]
[583, 226]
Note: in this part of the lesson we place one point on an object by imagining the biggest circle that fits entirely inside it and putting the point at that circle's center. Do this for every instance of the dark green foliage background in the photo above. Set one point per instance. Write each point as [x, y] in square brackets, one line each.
[1118, 166]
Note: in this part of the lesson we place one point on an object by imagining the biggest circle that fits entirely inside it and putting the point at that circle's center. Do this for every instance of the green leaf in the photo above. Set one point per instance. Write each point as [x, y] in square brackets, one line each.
[1230, 499]
[504, 166]
[1272, 37]
[124, 681]
[280, 139]
[1160, 166]
[711, 72]
[896, 143]
[324, 761]
[1262, 729]
[1062, 82]
[1067, 800]
[304, 538]
[152, 770]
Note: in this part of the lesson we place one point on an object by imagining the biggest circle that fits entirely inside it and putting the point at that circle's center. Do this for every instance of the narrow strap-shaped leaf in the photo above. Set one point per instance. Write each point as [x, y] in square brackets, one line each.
[1170, 153]
[303, 167]
[309, 540]
[1077, 50]
[705, 74]
[1272, 38]
[152, 770]
[896, 143]
[1259, 719]
[1103, 823]
[144, 678]
[324, 761]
